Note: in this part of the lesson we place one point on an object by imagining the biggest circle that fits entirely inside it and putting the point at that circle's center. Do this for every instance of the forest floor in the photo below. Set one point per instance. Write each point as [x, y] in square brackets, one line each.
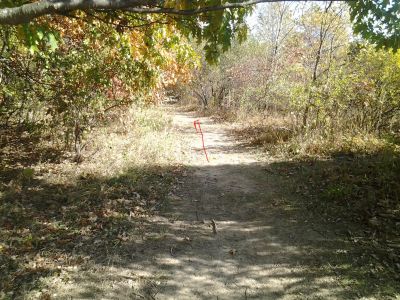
[232, 228]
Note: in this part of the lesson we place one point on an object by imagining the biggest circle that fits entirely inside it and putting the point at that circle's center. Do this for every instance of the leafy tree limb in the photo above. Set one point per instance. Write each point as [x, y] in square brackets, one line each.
[27, 12]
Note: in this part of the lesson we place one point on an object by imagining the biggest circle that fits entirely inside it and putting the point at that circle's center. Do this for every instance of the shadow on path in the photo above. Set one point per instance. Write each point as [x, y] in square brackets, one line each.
[129, 237]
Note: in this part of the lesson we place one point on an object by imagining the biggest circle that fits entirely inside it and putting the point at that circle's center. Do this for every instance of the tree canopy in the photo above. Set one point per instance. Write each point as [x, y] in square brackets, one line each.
[214, 21]
[377, 21]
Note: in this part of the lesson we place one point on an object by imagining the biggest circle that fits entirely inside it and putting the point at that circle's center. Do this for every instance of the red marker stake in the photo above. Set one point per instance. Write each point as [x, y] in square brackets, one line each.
[197, 126]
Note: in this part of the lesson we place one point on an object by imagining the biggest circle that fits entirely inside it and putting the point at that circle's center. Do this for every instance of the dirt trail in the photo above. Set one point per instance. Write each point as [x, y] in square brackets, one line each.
[264, 247]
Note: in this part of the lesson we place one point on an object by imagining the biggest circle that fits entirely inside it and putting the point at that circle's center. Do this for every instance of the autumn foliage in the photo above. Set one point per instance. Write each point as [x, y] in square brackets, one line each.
[64, 74]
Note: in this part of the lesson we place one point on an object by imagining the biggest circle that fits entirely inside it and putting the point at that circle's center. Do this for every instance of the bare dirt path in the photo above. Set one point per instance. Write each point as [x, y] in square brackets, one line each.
[262, 249]
[264, 246]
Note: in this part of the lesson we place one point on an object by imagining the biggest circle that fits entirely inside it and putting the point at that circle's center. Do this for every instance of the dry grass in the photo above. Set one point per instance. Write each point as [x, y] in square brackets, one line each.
[281, 136]
[133, 138]
[56, 215]
[347, 177]
[315, 144]
[268, 131]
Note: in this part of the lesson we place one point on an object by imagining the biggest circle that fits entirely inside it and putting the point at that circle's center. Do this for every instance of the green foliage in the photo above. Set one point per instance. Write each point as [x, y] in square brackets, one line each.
[377, 21]
[312, 90]
[38, 37]
[365, 91]
[62, 77]
[11, 3]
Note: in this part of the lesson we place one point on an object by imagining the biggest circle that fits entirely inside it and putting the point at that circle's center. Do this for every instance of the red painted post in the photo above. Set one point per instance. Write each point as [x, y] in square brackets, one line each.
[197, 126]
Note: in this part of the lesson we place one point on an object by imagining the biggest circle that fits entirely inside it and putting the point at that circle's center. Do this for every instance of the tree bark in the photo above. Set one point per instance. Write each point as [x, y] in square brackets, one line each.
[27, 12]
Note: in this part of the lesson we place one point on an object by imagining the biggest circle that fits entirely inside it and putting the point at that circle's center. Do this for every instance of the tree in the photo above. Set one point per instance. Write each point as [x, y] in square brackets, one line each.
[215, 21]
[70, 73]
[377, 21]
[201, 20]
[17, 12]
[276, 23]
[324, 33]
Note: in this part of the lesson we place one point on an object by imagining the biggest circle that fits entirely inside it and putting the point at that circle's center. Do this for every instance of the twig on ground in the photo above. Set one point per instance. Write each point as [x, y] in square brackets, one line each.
[214, 226]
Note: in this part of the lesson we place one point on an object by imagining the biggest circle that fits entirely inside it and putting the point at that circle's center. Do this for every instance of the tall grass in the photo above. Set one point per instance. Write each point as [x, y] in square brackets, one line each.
[135, 137]
[50, 206]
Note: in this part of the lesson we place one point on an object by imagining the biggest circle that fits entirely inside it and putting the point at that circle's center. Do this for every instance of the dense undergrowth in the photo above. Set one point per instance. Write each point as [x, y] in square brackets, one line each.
[56, 214]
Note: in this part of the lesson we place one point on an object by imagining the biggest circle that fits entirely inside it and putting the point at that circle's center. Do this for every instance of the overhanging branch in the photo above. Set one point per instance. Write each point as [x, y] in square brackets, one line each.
[27, 12]
[196, 11]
